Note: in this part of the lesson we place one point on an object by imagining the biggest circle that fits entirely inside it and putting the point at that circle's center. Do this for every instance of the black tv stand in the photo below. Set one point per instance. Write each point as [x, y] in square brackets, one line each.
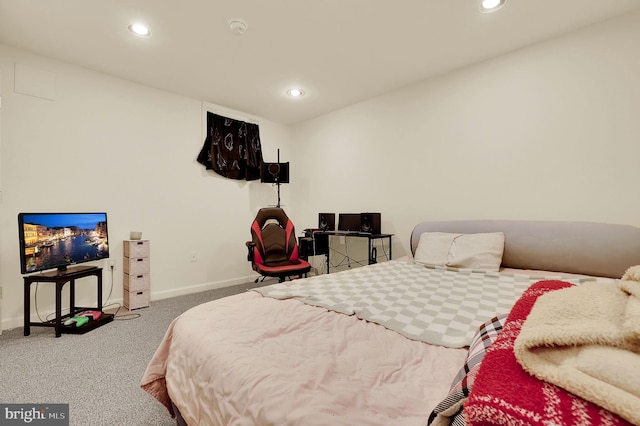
[60, 278]
[72, 270]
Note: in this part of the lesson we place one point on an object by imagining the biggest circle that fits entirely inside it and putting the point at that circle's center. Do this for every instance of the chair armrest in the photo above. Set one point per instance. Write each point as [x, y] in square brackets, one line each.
[250, 246]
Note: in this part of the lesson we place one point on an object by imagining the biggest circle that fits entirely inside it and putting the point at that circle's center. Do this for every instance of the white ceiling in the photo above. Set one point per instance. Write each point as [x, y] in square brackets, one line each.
[339, 51]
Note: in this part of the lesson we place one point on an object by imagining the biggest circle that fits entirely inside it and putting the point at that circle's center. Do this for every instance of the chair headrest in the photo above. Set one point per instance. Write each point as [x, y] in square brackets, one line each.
[271, 213]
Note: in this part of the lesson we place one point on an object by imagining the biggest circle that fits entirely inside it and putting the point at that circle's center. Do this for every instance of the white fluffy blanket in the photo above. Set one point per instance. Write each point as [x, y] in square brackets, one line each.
[586, 339]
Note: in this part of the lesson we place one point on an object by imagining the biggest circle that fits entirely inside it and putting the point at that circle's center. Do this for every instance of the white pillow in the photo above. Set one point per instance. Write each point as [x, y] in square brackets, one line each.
[474, 251]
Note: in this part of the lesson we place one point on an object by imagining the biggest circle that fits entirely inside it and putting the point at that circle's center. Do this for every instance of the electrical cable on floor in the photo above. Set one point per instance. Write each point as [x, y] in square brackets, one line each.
[341, 262]
[345, 259]
[350, 261]
[123, 317]
[346, 251]
[53, 314]
[64, 311]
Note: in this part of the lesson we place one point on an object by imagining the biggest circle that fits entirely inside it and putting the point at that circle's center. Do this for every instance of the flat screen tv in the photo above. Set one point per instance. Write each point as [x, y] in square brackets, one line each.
[58, 240]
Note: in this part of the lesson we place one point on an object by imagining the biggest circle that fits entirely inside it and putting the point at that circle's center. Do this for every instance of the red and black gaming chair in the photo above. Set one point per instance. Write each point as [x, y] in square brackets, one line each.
[273, 250]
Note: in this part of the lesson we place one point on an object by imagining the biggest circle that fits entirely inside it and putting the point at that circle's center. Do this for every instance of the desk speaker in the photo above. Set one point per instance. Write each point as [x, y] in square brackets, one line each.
[370, 222]
[327, 221]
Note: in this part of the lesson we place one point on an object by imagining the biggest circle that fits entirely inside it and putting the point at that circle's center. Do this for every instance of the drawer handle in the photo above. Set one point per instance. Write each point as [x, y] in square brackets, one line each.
[140, 292]
[139, 276]
[140, 260]
[140, 243]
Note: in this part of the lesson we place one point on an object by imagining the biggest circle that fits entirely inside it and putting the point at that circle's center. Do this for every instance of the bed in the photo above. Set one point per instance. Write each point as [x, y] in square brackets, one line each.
[383, 344]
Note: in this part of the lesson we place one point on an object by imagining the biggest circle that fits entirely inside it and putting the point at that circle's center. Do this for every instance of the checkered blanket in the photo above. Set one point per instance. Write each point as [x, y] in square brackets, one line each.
[437, 305]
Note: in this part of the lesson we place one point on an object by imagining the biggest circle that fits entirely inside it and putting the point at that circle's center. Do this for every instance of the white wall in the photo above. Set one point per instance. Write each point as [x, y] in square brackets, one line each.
[106, 144]
[546, 132]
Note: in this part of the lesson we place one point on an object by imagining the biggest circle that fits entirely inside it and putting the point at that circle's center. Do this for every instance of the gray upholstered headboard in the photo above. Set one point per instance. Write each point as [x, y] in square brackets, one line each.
[588, 248]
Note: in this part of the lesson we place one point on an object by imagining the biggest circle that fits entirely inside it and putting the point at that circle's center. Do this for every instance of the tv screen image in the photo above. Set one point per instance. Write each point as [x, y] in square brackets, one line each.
[57, 240]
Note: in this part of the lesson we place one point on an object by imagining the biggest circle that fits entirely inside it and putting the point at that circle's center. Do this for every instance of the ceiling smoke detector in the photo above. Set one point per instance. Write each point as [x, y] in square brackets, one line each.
[237, 26]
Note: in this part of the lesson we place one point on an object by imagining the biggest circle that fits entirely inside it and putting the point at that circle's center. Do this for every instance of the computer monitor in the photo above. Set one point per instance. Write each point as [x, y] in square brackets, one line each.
[349, 222]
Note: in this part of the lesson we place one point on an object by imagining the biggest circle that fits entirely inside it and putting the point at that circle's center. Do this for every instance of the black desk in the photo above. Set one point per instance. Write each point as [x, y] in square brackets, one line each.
[60, 279]
[370, 238]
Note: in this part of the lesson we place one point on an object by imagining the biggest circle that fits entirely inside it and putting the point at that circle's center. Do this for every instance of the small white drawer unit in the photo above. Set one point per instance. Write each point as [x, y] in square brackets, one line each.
[136, 281]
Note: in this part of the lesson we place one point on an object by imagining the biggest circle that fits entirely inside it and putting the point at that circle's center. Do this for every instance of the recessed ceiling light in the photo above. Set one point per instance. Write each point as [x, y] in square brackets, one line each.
[487, 6]
[140, 30]
[296, 93]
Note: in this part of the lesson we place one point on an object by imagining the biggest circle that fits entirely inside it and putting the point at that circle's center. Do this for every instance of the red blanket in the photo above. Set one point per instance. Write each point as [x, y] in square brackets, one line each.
[505, 394]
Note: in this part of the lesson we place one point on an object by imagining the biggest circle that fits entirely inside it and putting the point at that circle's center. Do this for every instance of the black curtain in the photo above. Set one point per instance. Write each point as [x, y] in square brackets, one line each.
[232, 148]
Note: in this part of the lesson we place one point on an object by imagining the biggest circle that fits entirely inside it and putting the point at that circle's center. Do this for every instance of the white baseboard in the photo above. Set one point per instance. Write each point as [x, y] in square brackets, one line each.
[166, 294]
[9, 323]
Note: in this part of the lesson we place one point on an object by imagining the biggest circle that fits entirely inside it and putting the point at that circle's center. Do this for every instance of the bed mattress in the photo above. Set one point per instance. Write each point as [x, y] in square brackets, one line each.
[289, 363]
[311, 354]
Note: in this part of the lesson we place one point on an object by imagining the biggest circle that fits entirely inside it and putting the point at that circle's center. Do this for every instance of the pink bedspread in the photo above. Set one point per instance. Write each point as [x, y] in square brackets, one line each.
[252, 360]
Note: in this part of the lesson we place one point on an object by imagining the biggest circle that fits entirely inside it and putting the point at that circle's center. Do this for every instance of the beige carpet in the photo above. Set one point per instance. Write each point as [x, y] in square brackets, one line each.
[98, 373]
